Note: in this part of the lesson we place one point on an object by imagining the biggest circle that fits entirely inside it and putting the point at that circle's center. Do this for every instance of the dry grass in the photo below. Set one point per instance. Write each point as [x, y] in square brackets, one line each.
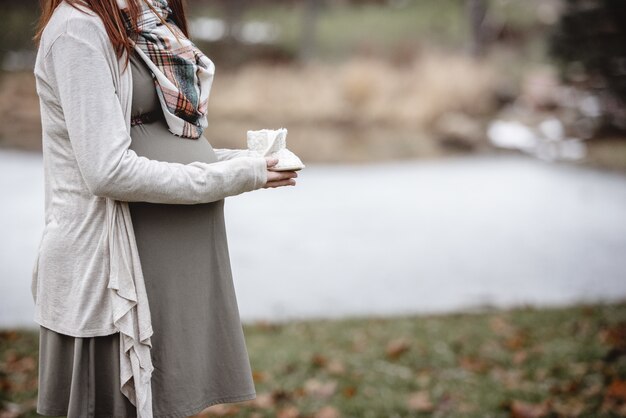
[360, 91]
[361, 109]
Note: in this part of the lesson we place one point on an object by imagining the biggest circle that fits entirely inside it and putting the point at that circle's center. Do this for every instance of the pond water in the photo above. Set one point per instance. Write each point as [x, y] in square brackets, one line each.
[388, 238]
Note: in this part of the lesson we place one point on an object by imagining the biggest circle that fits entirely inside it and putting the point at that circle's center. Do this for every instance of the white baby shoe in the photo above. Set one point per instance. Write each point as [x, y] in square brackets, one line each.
[273, 143]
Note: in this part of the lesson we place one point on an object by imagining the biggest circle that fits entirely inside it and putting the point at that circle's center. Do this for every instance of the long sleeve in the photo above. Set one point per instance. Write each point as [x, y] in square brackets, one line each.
[224, 154]
[101, 143]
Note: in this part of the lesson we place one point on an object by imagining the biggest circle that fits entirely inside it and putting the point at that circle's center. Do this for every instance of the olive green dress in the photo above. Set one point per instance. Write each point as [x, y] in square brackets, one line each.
[198, 348]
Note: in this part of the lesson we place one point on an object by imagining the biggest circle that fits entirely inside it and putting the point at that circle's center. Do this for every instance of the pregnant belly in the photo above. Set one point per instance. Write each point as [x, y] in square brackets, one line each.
[154, 141]
[165, 231]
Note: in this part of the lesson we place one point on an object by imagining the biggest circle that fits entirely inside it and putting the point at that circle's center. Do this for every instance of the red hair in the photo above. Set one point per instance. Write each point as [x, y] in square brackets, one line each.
[111, 16]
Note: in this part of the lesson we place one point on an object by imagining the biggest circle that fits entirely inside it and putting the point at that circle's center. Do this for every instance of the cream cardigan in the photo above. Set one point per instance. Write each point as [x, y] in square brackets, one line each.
[87, 278]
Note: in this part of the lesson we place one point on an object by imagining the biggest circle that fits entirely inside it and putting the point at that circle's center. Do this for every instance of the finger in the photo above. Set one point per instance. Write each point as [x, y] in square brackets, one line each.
[280, 175]
[280, 183]
[271, 161]
[286, 182]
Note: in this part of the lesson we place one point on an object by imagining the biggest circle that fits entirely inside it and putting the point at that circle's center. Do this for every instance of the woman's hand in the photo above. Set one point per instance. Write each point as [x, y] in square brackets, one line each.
[278, 178]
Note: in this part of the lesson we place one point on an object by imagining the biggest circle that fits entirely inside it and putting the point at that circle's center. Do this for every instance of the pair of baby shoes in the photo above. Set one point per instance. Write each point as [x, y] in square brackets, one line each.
[273, 143]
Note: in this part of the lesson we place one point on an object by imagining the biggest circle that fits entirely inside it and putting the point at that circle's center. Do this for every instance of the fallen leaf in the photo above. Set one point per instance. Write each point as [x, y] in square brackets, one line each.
[327, 412]
[320, 390]
[516, 341]
[267, 325]
[17, 364]
[520, 409]
[617, 390]
[473, 364]
[290, 367]
[288, 412]
[281, 395]
[259, 376]
[336, 367]
[420, 401]
[519, 357]
[318, 360]
[10, 335]
[615, 336]
[5, 386]
[397, 347]
[571, 387]
[349, 391]
[263, 400]
[220, 410]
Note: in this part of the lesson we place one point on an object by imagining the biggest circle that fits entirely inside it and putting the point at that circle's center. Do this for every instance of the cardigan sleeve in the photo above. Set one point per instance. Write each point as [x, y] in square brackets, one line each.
[101, 143]
[224, 154]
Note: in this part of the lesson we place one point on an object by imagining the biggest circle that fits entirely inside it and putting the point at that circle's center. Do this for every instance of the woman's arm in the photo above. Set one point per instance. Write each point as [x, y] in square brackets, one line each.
[97, 131]
[224, 154]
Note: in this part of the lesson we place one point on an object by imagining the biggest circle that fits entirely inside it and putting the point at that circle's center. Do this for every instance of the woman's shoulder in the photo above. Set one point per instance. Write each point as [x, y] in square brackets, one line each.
[77, 21]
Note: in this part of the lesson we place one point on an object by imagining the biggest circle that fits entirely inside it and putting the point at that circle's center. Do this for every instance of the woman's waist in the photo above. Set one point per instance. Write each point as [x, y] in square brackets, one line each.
[144, 117]
[155, 141]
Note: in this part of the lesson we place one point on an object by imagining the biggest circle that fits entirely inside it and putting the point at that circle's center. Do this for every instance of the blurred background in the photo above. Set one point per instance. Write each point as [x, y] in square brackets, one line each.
[455, 246]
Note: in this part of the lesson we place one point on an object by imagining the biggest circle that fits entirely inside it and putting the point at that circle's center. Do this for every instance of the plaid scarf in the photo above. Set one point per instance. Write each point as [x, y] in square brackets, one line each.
[183, 74]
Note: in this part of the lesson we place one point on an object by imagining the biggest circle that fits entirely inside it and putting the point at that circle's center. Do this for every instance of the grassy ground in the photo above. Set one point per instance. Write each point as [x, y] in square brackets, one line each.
[564, 362]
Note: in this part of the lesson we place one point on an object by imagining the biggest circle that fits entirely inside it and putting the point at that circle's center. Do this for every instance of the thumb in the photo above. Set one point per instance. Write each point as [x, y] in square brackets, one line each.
[271, 161]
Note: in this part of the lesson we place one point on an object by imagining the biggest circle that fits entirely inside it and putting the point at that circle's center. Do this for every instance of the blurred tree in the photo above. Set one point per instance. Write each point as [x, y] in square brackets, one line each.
[309, 25]
[233, 12]
[590, 43]
[476, 12]
[18, 20]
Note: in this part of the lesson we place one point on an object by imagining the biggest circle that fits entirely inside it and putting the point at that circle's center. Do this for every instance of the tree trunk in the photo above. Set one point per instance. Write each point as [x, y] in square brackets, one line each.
[476, 13]
[310, 14]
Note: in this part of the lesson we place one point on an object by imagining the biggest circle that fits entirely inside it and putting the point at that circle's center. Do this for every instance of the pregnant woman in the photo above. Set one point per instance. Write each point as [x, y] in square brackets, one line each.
[132, 284]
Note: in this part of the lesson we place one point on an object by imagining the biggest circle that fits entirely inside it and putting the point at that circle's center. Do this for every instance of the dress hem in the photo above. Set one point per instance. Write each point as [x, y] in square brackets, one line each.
[178, 414]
